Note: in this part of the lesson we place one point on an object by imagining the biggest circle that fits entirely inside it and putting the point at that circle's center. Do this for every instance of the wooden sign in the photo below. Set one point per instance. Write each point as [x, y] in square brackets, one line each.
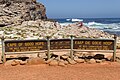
[25, 45]
[93, 44]
[60, 44]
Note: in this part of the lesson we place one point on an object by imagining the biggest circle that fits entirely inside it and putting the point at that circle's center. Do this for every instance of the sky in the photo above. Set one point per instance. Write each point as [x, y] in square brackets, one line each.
[82, 8]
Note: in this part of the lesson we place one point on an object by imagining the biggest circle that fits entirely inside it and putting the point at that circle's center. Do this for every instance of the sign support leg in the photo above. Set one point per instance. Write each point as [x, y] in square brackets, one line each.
[71, 51]
[114, 53]
[3, 50]
[48, 51]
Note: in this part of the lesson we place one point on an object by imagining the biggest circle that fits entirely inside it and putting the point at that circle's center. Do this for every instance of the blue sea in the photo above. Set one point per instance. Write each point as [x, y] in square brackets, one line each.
[110, 25]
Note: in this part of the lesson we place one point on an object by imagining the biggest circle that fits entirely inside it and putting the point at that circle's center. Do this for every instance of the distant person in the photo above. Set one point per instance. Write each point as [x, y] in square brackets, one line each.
[81, 24]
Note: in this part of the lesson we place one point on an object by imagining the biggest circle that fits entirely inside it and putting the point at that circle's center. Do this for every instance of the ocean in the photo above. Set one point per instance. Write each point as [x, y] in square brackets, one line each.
[110, 25]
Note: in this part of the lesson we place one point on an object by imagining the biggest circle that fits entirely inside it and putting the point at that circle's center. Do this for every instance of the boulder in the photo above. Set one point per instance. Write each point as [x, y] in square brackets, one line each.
[77, 54]
[18, 61]
[53, 63]
[61, 64]
[80, 60]
[14, 63]
[49, 60]
[1, 62]
[33, 23]
[92, 61]
[109, 58]
[66, 62]
[103, 60]
[99, 61]
[23, 62]
[34, 61]
[99, 56]
[71, 61]
[19, 11]
[64, 57]
[42, 55]
[8, 63]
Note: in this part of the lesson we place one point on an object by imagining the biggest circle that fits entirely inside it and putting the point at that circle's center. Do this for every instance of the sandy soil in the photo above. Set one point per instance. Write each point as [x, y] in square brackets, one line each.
[101, 71]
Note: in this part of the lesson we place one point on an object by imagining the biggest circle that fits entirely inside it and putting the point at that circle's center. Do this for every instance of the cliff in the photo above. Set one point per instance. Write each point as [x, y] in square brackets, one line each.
[18, 11]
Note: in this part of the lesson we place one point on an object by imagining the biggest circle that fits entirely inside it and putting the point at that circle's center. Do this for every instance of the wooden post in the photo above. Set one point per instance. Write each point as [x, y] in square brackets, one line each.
[3, 50]
[114, 53]
[48, 45]
[71, 51]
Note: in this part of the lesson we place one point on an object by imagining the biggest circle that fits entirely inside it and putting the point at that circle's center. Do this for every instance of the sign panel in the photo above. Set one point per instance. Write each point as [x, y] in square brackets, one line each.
[37, 45]
[25, 45]
[93, 44]
[60, 44]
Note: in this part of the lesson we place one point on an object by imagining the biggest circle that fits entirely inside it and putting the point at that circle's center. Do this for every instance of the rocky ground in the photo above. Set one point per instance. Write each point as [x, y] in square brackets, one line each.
[14, 12]
[39, 29]
[62, 59]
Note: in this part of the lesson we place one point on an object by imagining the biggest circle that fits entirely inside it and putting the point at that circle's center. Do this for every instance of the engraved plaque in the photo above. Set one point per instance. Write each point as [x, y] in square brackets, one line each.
[25, 45]
[60, 44]
[92, 44]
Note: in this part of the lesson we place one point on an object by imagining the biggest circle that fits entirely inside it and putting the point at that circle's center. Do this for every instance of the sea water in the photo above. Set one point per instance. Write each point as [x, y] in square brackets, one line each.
[110, 25]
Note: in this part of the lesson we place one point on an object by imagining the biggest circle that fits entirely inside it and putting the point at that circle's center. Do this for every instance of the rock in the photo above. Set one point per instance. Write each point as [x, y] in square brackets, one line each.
[103, 60]
[64, 57]
[53, 63]
[33, 23]
[117, 60]
[2, 24]
[80, 60]
[99, 61]
[23, 62]
[87, 60]
[77, 54]
[14, 63]
[16, 1]
[66, 62]
[22, 10]
[34, 61]
[61, 64]
[8, 63]
[18, 61]
[92, 61]
[109, 58]
[42, 55]
[1, 62]
[49, 60]
[75, 57]
[99, 56]
[71, 61]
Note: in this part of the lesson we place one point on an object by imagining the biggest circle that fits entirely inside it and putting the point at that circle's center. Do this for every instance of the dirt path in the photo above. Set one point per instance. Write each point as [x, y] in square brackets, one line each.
[101, 71]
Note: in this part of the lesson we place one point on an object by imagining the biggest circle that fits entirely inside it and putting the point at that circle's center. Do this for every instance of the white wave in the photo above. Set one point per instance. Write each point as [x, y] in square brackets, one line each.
[103, 26]
[94, 23]
[65, 24]
[77, 20]
[68, 19]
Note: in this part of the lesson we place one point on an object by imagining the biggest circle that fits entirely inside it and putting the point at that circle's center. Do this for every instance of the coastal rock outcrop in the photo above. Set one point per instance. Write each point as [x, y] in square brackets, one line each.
[17, 11]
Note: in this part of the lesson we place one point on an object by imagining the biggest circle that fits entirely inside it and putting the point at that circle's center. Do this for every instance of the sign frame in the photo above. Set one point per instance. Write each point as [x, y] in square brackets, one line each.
[48, 45]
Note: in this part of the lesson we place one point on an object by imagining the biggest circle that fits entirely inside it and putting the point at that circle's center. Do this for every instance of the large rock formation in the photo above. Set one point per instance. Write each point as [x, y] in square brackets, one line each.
[18, 11]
